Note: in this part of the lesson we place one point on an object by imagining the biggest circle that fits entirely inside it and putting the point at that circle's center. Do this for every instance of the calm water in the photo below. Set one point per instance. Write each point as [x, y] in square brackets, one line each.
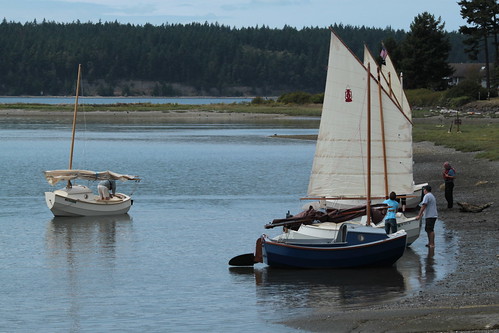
[114, 100]
[207, 191]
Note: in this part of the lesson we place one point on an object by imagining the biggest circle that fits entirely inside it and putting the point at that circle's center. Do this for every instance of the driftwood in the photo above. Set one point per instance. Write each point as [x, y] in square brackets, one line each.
[470, 208]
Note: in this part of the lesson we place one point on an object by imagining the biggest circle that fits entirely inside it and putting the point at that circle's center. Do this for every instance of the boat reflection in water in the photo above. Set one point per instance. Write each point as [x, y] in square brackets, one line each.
[92, 234]
[295, 289]
[82, 254]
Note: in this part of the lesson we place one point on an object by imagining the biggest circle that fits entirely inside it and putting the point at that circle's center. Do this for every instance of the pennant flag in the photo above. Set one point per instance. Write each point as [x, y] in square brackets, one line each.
[383, 55]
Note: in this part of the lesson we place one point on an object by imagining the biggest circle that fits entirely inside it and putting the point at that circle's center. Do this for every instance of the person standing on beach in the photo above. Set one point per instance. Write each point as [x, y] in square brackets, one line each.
[391, 215]
[449, 174]
[429, 210]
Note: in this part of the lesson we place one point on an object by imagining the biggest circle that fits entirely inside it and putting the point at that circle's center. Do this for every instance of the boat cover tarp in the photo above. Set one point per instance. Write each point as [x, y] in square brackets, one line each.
[378, 212]
[55, 176]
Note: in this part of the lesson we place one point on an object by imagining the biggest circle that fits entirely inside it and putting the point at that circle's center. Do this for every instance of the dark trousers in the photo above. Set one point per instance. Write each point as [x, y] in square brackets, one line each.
[390, 226]
[449, 188]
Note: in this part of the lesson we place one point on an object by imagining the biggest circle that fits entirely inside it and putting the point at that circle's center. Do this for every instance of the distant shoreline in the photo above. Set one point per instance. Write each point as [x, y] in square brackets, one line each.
[137, 116]
[195, 113]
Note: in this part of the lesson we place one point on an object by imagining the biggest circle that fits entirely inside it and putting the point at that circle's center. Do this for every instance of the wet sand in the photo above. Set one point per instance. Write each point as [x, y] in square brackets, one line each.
[465, 300]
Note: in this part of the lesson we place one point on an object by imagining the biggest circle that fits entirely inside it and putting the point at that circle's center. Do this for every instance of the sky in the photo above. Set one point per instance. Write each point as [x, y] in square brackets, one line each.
[397, 14]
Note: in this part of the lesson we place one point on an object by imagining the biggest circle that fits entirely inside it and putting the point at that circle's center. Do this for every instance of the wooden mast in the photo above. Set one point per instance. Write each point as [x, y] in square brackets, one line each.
[368, 204]
[401, 78]
[390, 85]
[74, 121]
[383, 141]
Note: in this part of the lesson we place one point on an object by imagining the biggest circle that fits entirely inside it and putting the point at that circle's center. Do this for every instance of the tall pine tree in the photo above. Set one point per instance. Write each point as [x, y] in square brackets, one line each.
[425, 51]
[481, 17]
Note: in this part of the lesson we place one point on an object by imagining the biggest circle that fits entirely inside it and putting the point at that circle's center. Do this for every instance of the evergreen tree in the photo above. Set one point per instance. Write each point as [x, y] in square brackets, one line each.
[425, 51]
[481, 16]
[175, 59]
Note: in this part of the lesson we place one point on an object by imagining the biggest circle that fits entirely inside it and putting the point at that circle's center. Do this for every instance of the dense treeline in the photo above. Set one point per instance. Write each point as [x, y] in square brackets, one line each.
[174, 59]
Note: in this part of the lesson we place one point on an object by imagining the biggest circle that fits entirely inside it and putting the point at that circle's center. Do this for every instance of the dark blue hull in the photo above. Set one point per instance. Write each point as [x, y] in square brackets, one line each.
[341, 255]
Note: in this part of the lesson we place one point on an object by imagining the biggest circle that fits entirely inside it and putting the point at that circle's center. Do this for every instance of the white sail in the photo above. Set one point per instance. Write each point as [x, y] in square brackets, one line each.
[390, 80]
[400, 139]
[340, 161]
[397, 138]
[390, 77]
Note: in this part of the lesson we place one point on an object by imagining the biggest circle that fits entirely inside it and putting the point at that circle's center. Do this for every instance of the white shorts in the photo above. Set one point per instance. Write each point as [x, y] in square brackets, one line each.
[103, 191]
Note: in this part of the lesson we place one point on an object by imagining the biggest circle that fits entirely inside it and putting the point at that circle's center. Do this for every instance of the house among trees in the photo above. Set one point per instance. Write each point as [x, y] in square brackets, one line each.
[472, 71]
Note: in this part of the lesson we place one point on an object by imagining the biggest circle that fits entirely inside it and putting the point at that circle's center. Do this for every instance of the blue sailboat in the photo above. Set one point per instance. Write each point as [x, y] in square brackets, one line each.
[351, 136]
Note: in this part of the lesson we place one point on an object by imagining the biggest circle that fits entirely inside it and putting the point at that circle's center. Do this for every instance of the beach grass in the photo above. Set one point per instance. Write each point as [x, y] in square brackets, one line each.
[481, 137]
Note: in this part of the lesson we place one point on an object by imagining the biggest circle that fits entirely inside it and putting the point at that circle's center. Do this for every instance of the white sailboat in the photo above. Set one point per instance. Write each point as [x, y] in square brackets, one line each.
[395, 140]
[340, 169]
[352, 156]
[79, 200]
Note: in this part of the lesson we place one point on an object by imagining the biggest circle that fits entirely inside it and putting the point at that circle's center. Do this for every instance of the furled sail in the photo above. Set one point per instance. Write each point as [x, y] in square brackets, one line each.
[55, 176]
[340, 161]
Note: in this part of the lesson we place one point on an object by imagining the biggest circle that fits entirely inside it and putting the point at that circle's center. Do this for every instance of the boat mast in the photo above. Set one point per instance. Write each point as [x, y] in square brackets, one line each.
[74, 121]
[368, 204]
[401, 77]
[383, 141]
[390, 84]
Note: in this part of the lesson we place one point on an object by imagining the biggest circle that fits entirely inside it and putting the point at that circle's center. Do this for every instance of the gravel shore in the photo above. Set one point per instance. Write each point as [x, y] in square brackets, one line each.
[468, 298]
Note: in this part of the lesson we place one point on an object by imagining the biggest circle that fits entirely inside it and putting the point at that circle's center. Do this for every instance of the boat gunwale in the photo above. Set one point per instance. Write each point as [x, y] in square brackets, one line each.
[95, 202]
[391, 238]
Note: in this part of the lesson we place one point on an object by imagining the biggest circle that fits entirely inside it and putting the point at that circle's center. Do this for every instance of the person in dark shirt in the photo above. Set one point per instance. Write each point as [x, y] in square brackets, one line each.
[449, 175]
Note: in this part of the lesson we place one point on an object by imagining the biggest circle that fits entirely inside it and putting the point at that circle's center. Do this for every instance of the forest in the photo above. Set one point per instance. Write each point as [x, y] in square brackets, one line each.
[176, 59]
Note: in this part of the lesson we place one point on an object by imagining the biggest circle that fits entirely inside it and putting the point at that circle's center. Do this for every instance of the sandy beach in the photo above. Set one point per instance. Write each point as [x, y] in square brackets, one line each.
[465, 300]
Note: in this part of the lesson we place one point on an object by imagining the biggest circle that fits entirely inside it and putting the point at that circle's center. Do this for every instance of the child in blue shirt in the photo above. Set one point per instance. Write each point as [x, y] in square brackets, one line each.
[391, 218]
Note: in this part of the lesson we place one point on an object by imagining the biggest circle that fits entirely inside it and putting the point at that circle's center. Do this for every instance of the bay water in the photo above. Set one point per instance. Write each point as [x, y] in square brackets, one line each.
[126, 100]
[206, 192]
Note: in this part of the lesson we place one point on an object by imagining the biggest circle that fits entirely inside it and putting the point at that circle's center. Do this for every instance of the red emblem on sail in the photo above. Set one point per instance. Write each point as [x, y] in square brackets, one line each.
[348, 95]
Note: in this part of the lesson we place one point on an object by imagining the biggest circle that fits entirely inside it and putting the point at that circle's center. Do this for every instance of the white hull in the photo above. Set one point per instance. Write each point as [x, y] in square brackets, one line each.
[411, 226]
[80, 201]
[329, 230]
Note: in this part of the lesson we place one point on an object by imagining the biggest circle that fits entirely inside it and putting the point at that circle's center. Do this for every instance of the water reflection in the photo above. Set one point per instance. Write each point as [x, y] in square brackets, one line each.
[81, 250]
[429, 264]
[410, 267]
[283, 293]
[423, 266]
[294, 290]
[312, 289]
[73, 235]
